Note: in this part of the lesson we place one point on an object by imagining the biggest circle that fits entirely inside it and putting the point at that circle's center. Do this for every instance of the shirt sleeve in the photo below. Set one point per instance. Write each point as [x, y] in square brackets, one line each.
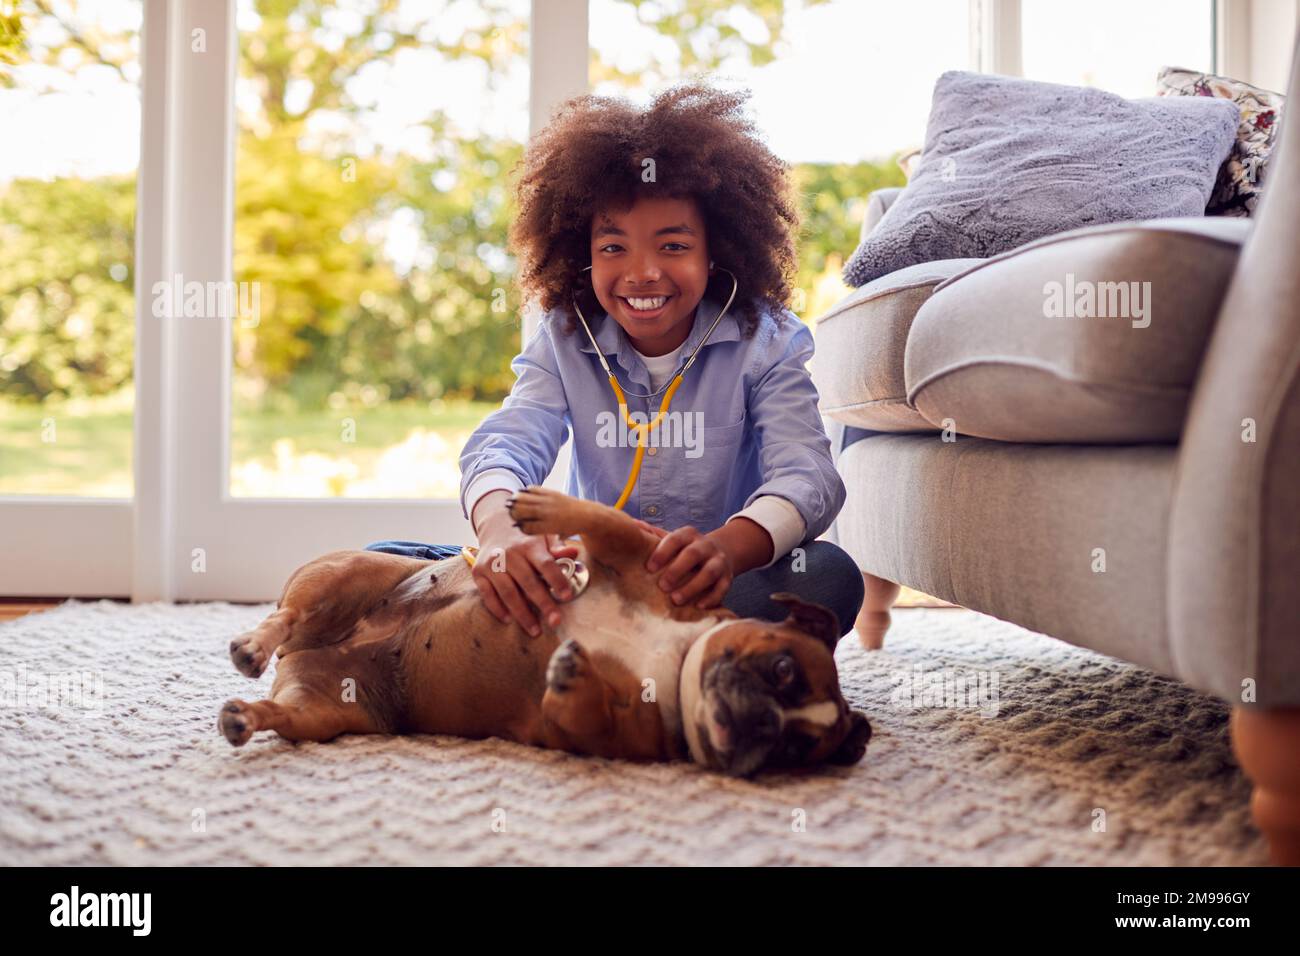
[780, 519]
[794, 451]
[494, 479]
[524, 435]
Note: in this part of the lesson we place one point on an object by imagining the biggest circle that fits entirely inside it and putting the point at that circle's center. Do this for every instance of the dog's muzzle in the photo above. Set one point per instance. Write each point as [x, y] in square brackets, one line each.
[732, 708]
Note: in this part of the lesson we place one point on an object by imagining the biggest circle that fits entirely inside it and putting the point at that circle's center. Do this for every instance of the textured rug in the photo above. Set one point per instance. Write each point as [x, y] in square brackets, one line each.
[992, 745]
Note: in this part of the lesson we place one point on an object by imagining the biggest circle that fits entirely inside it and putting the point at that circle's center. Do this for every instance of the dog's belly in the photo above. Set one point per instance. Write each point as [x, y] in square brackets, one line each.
[468, 674]
[464, 672]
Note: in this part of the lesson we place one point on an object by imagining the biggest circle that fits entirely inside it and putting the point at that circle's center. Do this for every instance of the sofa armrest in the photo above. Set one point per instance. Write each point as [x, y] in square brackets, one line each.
[1234, 538]
[878, 204]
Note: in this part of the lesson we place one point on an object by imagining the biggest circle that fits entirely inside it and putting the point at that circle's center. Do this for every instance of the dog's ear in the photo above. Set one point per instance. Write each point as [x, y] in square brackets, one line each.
[854, 745]
[813, 619]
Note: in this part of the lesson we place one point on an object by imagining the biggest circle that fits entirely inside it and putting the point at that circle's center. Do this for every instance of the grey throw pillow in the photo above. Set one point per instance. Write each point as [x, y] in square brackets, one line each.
[1007, 161]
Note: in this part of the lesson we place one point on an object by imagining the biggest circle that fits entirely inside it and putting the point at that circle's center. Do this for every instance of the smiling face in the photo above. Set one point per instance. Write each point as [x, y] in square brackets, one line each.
[656, 254]
[757, 694]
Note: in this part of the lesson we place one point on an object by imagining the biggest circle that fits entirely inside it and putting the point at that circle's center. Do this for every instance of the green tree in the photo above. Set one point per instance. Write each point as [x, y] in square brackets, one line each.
[65, 285]
[11, 31]
[833, 197]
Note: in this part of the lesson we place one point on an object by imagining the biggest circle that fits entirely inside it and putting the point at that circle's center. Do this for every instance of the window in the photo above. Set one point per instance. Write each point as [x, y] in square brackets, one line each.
[376, 304]
[840, 89]
[1116, 45]
[70, 111]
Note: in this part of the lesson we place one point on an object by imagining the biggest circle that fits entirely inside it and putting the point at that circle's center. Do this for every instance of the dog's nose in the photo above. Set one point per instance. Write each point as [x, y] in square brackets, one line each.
[754, 725]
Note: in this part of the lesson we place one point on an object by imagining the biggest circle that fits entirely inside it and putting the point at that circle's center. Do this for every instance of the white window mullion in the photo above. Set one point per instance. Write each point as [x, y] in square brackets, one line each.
[557, 70]
[1232, 38]
[203, 226]
[995, 28]
[151, 577]
[558, 55]
[184, 230]
[1253, 40]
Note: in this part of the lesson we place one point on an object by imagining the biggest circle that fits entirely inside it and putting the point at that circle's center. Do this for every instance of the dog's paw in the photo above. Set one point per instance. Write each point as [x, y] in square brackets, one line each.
[568, 665]
[249, 657]
[537, 510]
[236, 722]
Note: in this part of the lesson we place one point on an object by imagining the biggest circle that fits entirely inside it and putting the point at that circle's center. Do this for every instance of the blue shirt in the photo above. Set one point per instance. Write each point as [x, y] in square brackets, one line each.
[742, 426]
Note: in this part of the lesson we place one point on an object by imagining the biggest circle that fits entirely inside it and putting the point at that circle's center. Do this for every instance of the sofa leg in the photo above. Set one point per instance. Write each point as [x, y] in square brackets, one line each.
[1267, 744]
[873, 619]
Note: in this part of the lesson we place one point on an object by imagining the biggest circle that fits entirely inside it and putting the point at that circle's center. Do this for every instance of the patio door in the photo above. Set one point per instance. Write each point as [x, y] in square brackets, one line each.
[216, 533]
[206, 519]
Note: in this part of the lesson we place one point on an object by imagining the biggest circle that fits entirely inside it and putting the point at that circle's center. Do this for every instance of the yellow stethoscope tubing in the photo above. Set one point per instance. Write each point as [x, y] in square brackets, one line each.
[642, 430]
[642, 436]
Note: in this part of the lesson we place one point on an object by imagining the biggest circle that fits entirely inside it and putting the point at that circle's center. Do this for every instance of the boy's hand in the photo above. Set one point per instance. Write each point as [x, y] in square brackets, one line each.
[514, 570]
[695, 565]
[653, 529]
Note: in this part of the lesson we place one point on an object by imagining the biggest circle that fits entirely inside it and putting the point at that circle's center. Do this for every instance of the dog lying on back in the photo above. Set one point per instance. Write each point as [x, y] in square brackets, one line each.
[370, 642]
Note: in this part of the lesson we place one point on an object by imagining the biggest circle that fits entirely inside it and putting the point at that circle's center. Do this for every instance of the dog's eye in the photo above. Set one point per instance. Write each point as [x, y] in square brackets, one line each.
[783, 671]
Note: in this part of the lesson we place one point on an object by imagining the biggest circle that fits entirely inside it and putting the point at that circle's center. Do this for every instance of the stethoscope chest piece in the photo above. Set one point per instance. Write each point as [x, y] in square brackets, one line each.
[577, 574]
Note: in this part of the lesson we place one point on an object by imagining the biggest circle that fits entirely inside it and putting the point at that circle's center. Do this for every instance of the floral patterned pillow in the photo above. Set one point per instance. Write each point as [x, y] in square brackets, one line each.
[1240, 181]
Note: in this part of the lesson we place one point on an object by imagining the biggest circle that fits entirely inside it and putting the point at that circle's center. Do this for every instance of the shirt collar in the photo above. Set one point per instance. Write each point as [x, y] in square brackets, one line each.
[613, 340]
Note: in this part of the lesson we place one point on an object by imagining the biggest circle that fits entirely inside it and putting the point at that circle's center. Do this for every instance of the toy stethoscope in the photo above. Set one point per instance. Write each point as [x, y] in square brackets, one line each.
[574, 571]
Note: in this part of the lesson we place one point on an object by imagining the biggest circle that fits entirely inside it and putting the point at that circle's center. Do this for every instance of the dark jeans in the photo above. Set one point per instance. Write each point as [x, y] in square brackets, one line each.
[825, 575]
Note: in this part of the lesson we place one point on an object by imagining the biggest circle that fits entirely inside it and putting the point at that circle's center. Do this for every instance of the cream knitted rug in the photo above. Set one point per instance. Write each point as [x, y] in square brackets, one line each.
[1086, 761]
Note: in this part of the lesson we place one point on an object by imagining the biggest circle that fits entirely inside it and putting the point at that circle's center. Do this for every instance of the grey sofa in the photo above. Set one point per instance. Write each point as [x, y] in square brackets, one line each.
[1129, 488]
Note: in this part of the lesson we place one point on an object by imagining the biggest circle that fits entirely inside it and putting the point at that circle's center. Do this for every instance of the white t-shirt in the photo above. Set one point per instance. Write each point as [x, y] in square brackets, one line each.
[661, 367]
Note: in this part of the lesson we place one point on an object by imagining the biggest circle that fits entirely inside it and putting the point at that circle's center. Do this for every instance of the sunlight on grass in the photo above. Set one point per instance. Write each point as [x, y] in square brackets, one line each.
[83, 448]
[74, 447]
[392, 450]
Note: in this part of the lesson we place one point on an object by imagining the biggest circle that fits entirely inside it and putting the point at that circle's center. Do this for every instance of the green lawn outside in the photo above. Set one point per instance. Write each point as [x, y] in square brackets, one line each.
[78, 447]
[404, 450]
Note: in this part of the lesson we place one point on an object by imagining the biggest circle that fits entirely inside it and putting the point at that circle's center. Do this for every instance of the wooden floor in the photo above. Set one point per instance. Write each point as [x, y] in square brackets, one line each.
[909, 598]
[13, 608]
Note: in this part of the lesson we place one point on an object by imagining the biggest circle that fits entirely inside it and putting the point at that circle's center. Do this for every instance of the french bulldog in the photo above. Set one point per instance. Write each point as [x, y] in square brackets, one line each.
[369, 642]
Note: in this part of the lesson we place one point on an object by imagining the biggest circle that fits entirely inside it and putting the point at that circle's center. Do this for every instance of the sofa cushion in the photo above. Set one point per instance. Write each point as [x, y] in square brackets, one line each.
[1009, 160]
[1093, 335]
[1241, 177]
[858, 363]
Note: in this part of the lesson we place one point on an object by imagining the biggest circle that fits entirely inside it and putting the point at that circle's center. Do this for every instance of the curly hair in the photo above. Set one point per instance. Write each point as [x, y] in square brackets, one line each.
[589, 158]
